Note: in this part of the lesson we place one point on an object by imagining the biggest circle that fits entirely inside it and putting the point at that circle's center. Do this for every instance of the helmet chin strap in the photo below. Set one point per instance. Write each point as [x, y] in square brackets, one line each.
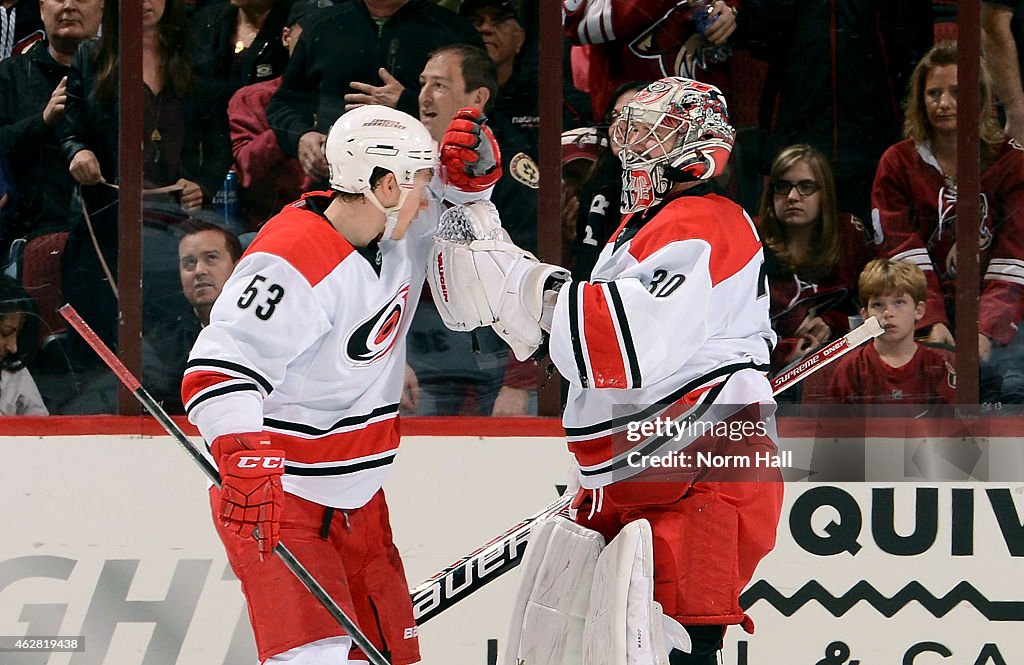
[390, 213]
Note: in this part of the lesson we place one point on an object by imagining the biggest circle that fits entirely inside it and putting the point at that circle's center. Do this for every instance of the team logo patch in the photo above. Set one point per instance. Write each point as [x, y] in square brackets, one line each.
[640, 190]
[524, 169]
[375, 337]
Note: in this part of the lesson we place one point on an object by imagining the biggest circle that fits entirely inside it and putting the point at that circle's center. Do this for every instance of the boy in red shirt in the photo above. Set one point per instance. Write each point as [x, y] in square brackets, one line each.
[894, 369]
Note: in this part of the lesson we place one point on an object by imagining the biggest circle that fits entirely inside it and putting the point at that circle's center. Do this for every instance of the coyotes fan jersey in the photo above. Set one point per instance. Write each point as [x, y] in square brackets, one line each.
[864, 378]
[833, 297]
[307, 340]
[675, 313]
[915, 219]
[638, 40]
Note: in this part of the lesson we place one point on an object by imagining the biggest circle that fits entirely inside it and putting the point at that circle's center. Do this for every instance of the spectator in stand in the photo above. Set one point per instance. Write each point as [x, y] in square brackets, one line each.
[580, 150]
[379, 46]
[235, 44]
[5, 187]
[268, 178]
[1002, 24]
[207, 254]
[19, 329]
[179, 150]
[32, 106]
[636, 40]
[813, 254]
[455, 373]
[893, 368]
[238, 43]
[515, 54]
[600, 194]
[20, 26]
[915, 209]
[836, 75]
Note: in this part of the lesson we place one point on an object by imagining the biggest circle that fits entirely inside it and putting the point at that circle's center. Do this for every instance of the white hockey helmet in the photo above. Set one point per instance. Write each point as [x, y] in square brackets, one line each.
[371, 137]
[674, 130]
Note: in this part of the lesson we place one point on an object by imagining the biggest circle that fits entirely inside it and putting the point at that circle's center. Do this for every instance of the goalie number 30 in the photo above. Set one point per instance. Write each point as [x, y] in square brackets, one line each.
[662, 285]
[269, 294]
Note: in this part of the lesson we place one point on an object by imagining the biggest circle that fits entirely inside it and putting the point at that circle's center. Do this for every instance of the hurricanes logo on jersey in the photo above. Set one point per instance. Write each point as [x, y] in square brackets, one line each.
[376, 336]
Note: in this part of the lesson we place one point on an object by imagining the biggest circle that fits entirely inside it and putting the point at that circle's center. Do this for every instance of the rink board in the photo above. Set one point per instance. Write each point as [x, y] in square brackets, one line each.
[109, 536]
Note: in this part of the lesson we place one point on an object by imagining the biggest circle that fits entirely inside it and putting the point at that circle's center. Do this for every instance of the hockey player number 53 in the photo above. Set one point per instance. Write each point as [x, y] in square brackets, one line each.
[272, 296]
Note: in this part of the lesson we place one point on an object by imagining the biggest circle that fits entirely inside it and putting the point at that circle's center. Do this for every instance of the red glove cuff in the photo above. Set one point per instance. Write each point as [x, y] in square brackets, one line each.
[228, 444]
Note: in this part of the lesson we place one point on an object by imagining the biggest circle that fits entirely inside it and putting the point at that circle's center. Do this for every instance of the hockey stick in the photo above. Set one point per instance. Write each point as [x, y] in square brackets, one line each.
[291, 563]
[837, 348]
[503, 553]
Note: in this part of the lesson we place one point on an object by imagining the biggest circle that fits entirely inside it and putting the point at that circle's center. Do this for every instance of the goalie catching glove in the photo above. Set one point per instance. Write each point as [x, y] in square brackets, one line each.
[251, 495]
[479, 277]
[470, 156]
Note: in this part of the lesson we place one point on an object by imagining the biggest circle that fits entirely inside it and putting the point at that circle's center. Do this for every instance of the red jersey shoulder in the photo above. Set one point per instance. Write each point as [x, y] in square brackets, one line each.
[304, 239]
[711, 218]
[903, 152]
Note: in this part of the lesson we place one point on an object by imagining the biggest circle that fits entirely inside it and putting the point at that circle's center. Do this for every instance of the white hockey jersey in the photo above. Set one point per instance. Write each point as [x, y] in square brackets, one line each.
[307, 340]
[676, 313]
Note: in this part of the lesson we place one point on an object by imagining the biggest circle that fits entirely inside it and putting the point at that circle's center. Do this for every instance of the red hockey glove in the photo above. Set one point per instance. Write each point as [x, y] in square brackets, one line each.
[251, 496]
[469, 153]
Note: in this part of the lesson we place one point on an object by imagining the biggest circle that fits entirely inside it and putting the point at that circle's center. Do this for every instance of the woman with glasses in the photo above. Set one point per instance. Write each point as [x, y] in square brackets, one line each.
[813, 254]
[914, 200]
[184, 148]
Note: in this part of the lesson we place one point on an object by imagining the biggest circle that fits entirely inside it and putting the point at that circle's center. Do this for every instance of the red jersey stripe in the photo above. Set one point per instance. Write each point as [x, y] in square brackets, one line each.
[605, 354]
[195, 382]
[603, 448]
[372, 439]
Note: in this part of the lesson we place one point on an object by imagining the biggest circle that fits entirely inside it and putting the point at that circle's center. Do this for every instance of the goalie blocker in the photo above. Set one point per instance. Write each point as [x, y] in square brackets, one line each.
[479, 277]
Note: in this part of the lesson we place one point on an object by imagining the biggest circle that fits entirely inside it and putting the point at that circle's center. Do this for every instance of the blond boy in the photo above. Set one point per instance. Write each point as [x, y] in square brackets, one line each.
[894, 369]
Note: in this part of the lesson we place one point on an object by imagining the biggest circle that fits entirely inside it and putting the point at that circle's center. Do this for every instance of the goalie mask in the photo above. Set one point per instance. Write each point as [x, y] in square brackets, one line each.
[371, 137]
[674, 130]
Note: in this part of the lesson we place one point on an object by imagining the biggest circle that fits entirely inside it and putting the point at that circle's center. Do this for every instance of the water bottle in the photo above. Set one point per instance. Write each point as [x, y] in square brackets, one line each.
[230, 196]
[712, 53]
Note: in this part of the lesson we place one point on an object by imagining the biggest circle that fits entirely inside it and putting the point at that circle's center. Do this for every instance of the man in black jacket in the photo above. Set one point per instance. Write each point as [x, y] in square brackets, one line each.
[31, 106]
[380, 43]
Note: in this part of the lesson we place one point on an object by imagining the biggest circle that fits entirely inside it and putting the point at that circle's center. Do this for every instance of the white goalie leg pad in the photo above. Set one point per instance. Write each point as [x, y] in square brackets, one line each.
[625, 625]
[548, 616]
